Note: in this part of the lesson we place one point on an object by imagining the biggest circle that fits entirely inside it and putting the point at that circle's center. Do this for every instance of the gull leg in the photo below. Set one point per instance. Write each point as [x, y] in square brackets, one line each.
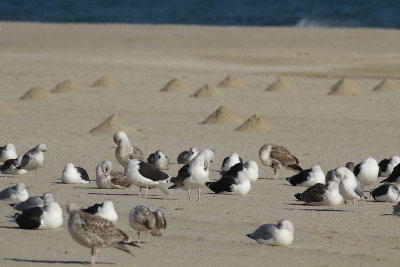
[93, 256]
[198, 194]
[148, 236]
[147, 190]
[140, 191]
[190, 198]
[275, 174]
[138, 237]
[37, 173]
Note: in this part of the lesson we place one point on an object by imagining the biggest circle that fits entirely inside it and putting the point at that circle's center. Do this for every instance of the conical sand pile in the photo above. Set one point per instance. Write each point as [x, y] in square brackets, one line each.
[175, 85]
[38, 93]
[255, 124]
[112, 124]
[67, 86]
[106, 81]
[208, 91]
[345, 87]
[230, 82]
[5, 109]
[386, 85]
[223, 116]
[281, 85]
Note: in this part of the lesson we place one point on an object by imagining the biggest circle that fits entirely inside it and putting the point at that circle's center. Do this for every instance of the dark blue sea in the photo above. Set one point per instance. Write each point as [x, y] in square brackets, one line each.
[302, 13]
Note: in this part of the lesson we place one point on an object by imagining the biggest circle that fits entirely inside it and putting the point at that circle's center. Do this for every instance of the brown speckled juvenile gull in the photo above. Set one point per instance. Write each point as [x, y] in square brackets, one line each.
[125, 150]
[142, 218]
[106, 178]
[278, 157]
[34, 158]
[159, 159]
[95, 232]
[185, 157]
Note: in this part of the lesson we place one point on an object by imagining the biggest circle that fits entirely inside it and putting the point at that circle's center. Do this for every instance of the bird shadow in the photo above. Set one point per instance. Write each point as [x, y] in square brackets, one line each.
[333, 210]
[10, 227]
[53, 261]
[266, 178]
[112, 194]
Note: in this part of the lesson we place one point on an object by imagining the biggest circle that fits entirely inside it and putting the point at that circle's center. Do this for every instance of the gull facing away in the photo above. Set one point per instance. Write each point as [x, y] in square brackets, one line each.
[125, 151]
[322, 195]
[95, 232]
[74, 175]
[159, 159]
[144, 219]
[308, 177]
[230, 161]
[13, 167]
[36, 201]
[278, 157]
[105, 210]
[185, 157]
[386, 166]
[34, 158]
[394, 177]
[387, 193]
[7, 152]
[367, 171]
[16, 192]
[106, 178]
[281, 234]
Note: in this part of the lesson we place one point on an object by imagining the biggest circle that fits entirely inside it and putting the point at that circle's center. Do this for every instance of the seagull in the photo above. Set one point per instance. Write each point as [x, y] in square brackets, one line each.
[47, 217]
[95, 232]
[228, 162]
[159, 159]
[278, 157]
[396, 209]
[250, 167]
[195, 174]
[308, 177]
[125, 151]
[386, 165]
[105, 210]
[16, 192]
[36, 201]
[185, 157]
[142, 174]
[367, 171]
[322, 195]
[387, 193]
[394, 177]
[142, 218]
[106, 178]
[7, 152]
[12, 166]
[74, 175]
[34, 158]
[281, 234]
[331, 175]
[349, 187]
[239, 185]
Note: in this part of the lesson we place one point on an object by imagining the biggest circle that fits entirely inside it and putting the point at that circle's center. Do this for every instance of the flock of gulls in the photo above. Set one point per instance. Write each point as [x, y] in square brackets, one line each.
[94, 227]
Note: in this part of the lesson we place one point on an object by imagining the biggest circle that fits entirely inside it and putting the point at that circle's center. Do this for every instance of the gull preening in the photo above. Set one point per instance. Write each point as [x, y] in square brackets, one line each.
[281, 234]
[349, 187]
[386, 166]
[387, 193]
[125, 151]
[230, 161]
[7, 152]
[95, 232]
[278, 157]
[308, 177]
[185, 157]
[104, 210]
[16, 192]
[36, 201]
[106, 178]
[34, 158]
[144, 219]
[159, 159]
[74, 175]
[331, 175]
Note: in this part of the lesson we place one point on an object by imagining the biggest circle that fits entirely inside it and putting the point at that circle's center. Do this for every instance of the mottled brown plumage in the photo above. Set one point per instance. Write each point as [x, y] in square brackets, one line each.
[142, 218]
[106, 178]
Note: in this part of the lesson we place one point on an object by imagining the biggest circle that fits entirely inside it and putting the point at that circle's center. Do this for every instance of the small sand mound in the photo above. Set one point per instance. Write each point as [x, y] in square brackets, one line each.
[223, 116]
[255, 124]
[345, 87]
[67, 86]
[281, 85]
[106, 81]
[386, 85]
[112, 124]
[230, 82]
[175, 85]
[5, 109]
[208, 91]
[38, 93]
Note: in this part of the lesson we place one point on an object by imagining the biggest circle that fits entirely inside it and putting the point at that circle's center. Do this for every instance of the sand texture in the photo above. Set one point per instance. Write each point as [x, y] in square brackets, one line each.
[255, 124]
[386, 85]
[317, 128]
[67, 86]
[223, 115]
[175, 85]
[208, 90]
[106, 81]
[230, 82]
[37, 93]
[112, 124]
[345, 87]
[281, 85]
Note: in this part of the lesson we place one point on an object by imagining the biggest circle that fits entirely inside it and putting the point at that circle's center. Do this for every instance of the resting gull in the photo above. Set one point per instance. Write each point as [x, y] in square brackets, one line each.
[12, 166]
[349, 187]
[387, 193]
[308, 177]
[142, 219]
[16, 192]
[281, 234]
[95, 232]
[34, 158]
[322, 195]
[228, 162]
[185, 157]
[394, 177]
[331, 175]
[125, 151]
[7, 152]
[36, 201]
[367, 171]
[74, 175]
[278, 157]
[386, 166]
[159, 159]
[106, 178]
[105, 210]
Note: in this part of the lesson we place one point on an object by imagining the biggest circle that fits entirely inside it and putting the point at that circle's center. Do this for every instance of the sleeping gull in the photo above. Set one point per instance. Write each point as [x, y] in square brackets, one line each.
[281, 234]
[238, 185]
[95, 232]
[12, 166]
[8, 152]
[322, 195]
[34, 158]
[367, 171]
[386, 166]
[106, 178]
[250, 167]
[349, 187]
[195, 174]
[142, 174]
[278, 157]
[228, 162]
[142, 219]
[387, 193]
[74, 175]
[307, 177]
[394, 177]
[36, 201]
[125, 151]
[159, 159]
[331, 175]
[185, 157]
[105, 210]
[16, 192]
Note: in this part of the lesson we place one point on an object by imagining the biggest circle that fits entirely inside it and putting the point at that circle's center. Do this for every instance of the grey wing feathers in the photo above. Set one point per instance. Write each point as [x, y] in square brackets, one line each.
[265, 231]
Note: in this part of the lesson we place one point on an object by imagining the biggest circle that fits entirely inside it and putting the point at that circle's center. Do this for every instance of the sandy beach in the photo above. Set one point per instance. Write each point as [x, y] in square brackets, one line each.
[319, 129]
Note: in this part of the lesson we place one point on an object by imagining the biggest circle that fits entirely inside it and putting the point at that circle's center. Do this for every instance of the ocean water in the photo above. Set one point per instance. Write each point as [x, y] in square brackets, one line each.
[302, 13]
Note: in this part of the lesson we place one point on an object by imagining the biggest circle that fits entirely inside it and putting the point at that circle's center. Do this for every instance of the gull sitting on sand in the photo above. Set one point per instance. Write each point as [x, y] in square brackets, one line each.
[14, 193]
[387, 193]
[278, 157]
[13, 167]
[367, 171]
[159, 159]
[230, 161]
[105, 210]
[308, 177]
[74, 175]
[386, 166]
[185, 157]
[145, 219]
[34, 158]
[106, 178]
[322, 195]
[36, 201]
[281, 234]
[7, 152]
[394, 177]
[250, 168]
[95, 232]
[125, 151]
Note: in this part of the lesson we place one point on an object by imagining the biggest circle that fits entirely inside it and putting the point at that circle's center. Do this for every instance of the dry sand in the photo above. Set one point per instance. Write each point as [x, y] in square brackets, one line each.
[106, 81]
[281, 85]
[67, 86]
[208, 90]
[317, 128]
[175, 85]
[37, 93]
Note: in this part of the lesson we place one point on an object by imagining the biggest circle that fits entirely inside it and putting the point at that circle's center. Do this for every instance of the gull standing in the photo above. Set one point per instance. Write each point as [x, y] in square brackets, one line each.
[367, 171]
[142, 219]
[281, 234]
[34, 158]
[125, 151]
[349, 187]
[106, 178]
[159, 159]
[331, 175]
